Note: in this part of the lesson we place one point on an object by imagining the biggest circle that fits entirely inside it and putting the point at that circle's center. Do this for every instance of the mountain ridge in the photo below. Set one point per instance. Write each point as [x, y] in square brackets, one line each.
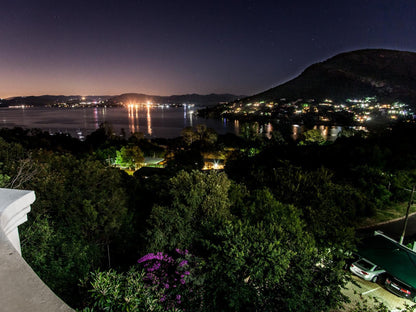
[191, 98]
[387, 74]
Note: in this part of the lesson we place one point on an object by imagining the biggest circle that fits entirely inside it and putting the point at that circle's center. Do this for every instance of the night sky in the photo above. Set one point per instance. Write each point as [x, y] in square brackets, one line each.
[109, 47]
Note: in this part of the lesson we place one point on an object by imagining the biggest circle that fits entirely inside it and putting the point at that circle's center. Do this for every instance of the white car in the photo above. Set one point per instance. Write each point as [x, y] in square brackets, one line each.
[366, 270]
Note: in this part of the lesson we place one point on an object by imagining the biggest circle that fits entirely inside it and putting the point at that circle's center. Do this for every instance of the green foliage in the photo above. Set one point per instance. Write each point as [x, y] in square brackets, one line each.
[252, 151]
[112, 291]
[129, 156]
[277, 138]
[136, 137]
[4, 179]
[272, 237]
[149, 148]
[10, 155]
[328, 208]
[312, 136]
[373, 182]
[38, 139]
[79, 211]
[400, 183]
[259, 263]
[197, 199]
[348, 132]
[374, 305]
[78, 191]
[103, 137]
[9, 152]
[200, 134]
[237, 195]
[250, 131]
[59, 257]
[204, 193]
[185, 160]
[106, 155]
[189, 135]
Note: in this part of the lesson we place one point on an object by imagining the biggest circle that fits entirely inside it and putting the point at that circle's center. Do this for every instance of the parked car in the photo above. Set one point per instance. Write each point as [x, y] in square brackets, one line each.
[351, 257]
[367, 270]
[399, 288]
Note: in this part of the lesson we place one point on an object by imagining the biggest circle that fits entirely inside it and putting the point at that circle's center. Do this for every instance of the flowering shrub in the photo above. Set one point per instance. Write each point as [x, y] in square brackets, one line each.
[163, 284]
[171, 275]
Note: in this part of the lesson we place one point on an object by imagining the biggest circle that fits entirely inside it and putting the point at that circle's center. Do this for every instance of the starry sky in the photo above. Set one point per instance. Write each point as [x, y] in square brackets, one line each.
[109, 47]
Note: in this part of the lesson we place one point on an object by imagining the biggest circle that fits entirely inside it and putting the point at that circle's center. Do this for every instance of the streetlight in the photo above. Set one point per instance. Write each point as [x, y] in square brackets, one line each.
[407, 215]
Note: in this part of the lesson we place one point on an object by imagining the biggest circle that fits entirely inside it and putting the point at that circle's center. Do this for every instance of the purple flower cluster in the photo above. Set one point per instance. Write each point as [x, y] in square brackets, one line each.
[158, 256]
[182, 252]
[168, 274]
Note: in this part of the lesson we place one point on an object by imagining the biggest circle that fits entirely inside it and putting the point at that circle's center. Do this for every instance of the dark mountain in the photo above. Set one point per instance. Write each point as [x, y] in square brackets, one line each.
[387, 74]
[197, 99]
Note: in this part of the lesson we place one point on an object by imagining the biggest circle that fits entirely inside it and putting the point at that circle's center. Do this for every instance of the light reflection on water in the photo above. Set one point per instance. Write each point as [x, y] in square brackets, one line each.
[149, 122]
[167, 122]
[295, 132]
[329, 133]
[237, 127]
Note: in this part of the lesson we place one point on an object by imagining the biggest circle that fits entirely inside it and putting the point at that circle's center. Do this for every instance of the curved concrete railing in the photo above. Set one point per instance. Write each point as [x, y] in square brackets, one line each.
[21, 290]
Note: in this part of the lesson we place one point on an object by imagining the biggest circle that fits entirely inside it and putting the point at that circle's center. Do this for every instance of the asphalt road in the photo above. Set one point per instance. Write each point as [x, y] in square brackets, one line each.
[394, 229]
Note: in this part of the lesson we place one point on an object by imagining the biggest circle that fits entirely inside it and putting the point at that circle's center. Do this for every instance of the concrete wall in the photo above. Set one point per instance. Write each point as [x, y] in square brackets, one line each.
[21, 289]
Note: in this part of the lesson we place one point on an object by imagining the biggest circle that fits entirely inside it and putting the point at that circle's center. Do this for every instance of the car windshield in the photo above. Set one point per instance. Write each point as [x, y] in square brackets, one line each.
[365, 264]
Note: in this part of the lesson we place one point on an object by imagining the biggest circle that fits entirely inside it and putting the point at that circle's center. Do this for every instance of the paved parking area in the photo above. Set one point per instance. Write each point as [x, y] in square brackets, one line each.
[359, 290]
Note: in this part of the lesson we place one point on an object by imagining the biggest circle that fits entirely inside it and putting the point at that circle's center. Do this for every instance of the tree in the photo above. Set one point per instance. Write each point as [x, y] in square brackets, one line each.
[185, 160]
[312, 136]
[159, 282]
[204, 136]
[189, 135]
[130, 156]
[103, 137]
[136, 137]
[250, 131]
[267, 261]
[61, 257]
[16, 164]
[198, 200]
[79, 211]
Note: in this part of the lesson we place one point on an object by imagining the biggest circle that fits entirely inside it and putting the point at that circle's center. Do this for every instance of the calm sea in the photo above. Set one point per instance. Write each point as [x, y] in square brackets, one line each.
[166, 122]
[153, 122]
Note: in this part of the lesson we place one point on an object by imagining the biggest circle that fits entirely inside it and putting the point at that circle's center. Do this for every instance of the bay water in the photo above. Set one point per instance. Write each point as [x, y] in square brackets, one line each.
[153, 122]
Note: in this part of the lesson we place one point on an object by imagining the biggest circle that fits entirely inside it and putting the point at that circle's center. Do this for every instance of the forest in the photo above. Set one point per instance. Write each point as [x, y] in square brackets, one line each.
[272, 231]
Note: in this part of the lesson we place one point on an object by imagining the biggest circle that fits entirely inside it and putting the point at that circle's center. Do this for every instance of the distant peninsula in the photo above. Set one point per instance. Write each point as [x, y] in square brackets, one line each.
[197, 100]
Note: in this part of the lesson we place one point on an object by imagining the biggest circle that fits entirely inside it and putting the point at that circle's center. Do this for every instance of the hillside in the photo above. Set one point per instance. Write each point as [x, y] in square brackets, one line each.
[387, 74]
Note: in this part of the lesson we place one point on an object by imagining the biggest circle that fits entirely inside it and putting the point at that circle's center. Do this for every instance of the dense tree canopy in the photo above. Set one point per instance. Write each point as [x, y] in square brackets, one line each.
[269, 233]
[197, 200]
[79, 210]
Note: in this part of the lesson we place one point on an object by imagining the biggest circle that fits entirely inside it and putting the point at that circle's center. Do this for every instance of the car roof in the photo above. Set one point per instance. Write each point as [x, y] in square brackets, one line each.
[396, 259]
[366, 260]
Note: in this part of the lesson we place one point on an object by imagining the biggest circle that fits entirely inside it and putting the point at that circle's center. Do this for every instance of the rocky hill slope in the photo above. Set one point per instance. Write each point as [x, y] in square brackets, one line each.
[387, 74]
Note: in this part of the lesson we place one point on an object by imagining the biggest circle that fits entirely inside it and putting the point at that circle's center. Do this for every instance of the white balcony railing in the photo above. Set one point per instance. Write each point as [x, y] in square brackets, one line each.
[21, 290]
